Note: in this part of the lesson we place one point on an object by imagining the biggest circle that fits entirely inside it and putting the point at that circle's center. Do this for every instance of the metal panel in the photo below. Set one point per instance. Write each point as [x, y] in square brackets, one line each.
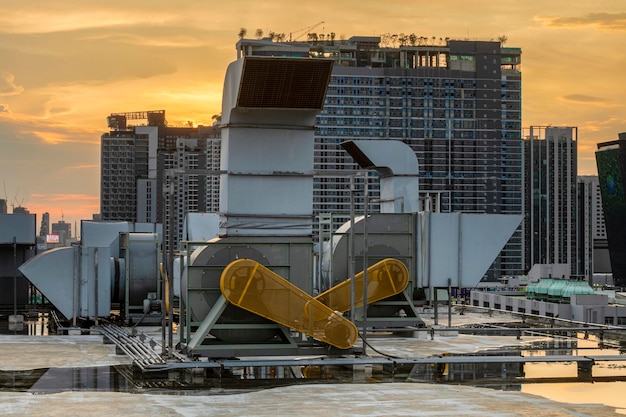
[95, 282]
[18, 226]
[269, 150]
[201, 226]
[268, 196]
[99, 234]
[461, 246]
[52, 272]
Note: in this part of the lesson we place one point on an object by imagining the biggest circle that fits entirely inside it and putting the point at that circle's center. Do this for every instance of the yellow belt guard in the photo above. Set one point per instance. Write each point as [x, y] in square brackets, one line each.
[253, 287]
[384, 279]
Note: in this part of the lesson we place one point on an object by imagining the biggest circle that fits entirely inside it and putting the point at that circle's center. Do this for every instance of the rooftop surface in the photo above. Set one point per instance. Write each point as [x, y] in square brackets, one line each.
[320, 399]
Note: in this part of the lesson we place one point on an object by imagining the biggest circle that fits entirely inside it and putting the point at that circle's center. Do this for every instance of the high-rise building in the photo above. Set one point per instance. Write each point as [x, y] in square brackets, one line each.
[550, 226]
[64, 231]
[157, 173]
[457, 104]
[3, 206]
[190, 171]
[611, 162]
[592, 245]
[123, 163]
[44, 229]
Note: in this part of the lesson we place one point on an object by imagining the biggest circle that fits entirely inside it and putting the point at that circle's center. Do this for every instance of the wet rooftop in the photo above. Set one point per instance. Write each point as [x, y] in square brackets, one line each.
[52, 368]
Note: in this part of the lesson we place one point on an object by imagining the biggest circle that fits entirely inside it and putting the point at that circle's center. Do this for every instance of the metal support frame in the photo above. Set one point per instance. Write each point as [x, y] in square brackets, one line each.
[207, 324]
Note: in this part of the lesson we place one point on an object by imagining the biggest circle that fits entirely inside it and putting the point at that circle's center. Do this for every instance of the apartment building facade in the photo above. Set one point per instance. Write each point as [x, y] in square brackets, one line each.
[551, 172]
[593, 247]
[457, 104]
[156, 173]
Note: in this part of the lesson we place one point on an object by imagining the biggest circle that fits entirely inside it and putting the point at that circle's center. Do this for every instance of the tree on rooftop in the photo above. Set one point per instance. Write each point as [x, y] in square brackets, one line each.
[242, 33]
[403, 39]
[394, 39]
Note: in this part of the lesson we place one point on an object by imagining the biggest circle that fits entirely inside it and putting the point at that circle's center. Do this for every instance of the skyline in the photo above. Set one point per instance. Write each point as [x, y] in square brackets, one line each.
[64, 68]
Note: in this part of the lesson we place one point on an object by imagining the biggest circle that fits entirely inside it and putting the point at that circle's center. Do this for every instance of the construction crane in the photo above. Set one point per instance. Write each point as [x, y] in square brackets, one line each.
[303, 31]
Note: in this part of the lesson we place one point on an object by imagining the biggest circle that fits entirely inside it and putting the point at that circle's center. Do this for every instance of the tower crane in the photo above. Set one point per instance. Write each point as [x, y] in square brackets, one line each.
[301, 32]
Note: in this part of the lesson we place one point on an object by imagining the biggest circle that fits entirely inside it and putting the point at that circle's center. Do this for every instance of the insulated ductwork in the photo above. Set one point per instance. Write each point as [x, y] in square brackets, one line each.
[116, 263]
[268, 118]
[397, 166]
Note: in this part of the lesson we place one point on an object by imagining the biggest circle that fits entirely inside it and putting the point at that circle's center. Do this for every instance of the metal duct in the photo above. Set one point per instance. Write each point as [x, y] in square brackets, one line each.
[268, 118]
[397, 166]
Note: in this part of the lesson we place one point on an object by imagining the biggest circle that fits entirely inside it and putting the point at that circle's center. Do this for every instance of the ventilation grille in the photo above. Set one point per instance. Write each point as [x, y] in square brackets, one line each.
[284, 83]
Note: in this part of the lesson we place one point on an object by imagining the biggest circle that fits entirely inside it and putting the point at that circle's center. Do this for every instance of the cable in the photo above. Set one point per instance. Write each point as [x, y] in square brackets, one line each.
[376, 350]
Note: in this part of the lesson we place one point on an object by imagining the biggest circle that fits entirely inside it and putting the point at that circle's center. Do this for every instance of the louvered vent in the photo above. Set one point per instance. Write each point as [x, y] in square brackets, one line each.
[284, 83]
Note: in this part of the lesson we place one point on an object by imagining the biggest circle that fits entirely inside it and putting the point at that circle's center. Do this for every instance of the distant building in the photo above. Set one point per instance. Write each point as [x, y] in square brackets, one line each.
[593, 247]
[63, 233]
[3, 206]
[144, 169]
[20, 210]
[611, 162]
[550, 197]
[44, 229]
[190, 171]
[456, 103]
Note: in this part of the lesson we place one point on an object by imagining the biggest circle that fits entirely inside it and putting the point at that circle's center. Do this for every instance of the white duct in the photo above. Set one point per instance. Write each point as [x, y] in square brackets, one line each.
[268, 119]
[397, 166]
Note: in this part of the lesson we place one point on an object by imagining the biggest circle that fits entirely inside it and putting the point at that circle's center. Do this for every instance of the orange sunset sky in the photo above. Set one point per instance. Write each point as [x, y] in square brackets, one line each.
[66, 65]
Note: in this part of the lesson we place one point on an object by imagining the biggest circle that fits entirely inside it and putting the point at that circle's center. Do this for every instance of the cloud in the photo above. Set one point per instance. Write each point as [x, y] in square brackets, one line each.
[27, 130]
[4, 108]
[64, 197]
[605, 21]
[82, 166]
[8, 86]
[164, 41]
[584, 99]
[59, 20]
